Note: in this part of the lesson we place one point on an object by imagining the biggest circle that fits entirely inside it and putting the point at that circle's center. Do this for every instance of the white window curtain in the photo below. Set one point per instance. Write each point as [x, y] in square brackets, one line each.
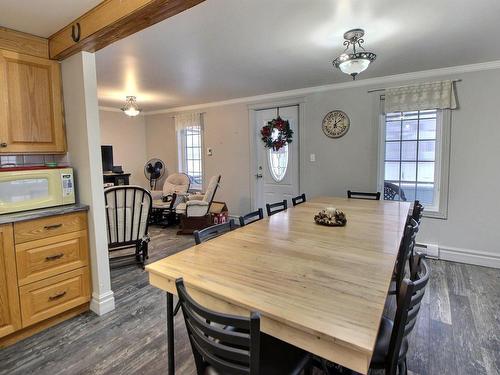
[431, 95]
[187, 120]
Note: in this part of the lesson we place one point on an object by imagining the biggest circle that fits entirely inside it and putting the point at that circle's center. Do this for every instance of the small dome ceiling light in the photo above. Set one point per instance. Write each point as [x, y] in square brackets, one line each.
[355, 62]
[131, 108]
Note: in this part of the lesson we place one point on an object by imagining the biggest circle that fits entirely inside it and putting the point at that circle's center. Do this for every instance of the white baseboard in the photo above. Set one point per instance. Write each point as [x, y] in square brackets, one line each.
[102, 303]
[479, 258]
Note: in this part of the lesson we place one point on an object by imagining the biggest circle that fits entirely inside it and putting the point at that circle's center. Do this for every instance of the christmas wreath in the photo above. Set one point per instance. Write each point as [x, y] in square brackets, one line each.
[279, 138]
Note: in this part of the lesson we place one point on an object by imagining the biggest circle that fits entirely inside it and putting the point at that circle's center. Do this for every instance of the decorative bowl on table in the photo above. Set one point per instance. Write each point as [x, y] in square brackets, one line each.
[331, 217]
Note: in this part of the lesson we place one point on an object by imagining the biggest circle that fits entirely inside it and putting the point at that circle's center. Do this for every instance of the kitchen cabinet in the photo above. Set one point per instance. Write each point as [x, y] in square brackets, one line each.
[44, 273]
[10, 316]
[31, 106]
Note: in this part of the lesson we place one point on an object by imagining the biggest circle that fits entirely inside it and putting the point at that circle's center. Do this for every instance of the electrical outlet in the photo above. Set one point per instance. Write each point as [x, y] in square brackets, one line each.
[312, 158]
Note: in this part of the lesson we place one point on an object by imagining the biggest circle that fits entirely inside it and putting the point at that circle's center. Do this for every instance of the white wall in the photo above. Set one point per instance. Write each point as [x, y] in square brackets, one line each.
[351, 162]
[128, 138]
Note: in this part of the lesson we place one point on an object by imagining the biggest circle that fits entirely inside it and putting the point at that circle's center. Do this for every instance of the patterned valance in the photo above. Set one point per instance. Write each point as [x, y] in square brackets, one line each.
[431, 95]
[187, 120]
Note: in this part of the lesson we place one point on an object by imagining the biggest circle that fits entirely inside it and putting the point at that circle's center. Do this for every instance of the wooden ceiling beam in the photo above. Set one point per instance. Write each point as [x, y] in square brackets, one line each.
[110, 21]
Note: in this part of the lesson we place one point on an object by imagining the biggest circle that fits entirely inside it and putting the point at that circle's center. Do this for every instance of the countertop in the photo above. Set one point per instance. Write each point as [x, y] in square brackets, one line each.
[42, 212]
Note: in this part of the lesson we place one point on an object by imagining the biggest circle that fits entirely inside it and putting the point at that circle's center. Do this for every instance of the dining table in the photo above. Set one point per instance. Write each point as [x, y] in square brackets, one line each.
[320, 288]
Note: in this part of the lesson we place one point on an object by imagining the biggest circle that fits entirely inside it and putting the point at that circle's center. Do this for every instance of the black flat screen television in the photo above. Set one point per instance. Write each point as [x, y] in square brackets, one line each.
[107, 158]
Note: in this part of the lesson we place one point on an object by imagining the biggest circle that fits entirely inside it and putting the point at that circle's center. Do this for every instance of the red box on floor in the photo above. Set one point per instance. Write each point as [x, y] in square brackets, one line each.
[219, 212]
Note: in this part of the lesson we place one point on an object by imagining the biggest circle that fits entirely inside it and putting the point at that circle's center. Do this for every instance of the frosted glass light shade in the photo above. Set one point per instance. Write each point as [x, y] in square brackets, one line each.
[354, 66]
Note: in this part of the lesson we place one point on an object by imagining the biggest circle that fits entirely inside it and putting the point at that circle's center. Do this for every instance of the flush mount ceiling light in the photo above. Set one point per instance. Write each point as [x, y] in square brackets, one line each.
[131, 108]
[355, 62]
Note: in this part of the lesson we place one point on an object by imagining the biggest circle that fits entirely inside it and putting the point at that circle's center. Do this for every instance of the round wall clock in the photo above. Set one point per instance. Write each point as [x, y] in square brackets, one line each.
[336, 124]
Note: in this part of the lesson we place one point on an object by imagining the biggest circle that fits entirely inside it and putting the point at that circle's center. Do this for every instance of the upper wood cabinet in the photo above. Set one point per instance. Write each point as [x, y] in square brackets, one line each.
[10, 316]
[31, 109]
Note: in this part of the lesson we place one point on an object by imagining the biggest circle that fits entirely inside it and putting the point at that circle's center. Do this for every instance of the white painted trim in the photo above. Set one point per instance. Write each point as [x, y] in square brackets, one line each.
[102, 304]
[469, 256]
[109, 109]
[337, 86]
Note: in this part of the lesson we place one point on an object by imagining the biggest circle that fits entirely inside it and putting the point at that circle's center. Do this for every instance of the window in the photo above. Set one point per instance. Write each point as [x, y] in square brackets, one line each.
[414, 158]
[190, 154]
[278, 160]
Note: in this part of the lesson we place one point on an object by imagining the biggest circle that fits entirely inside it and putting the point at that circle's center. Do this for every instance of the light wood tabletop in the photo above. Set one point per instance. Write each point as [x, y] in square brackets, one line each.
[320, 288]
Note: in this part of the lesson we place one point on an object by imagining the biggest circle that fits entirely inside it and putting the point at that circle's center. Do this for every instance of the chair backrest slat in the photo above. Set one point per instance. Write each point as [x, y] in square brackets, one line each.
[298, 200]
[127, 214]
[213, 231]
[405, 251]
[409, 300]
[231, 350]
[218, 347]
[274, 208]
[363, 195]
[251, 217]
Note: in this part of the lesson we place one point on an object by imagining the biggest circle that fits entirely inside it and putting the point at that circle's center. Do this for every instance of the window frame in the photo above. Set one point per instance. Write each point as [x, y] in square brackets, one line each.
[442, 160]
[182, 155]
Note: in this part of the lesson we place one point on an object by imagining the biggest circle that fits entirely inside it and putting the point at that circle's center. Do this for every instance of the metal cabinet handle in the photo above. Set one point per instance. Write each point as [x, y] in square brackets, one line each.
[54, 257]
[57, 296]
[53, 226]
[3, 144]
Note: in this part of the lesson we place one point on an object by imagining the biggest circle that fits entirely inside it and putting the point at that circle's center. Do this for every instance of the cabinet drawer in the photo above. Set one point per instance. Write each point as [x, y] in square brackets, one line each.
[37, 260]
[49, 226]
[44, 299]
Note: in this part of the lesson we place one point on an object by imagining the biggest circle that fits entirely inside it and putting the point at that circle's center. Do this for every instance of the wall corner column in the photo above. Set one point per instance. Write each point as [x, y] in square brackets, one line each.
[84, 141]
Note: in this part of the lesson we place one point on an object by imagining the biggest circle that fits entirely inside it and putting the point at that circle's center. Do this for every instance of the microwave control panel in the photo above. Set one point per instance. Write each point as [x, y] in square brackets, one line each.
[67, 184]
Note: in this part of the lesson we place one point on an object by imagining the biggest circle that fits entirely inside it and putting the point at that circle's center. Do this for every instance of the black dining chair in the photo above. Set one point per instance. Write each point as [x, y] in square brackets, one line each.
[213, 231]
[251, 217]
[417, 211]
[298, 200]
[274, 208]
[405, 255]
[392, 340]
[229, 344]
[208, 234]
[363, 195]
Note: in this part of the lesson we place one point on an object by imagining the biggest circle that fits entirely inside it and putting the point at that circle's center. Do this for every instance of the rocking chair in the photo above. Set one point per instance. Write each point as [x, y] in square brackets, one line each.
[128, 209]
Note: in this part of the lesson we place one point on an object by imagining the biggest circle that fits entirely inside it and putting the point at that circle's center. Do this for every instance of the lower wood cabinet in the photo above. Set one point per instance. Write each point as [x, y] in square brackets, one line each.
[44, 299]
[10, 316]
[44, 274]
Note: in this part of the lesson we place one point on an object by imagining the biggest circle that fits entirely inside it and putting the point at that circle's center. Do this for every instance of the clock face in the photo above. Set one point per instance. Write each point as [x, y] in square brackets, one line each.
[335, 124]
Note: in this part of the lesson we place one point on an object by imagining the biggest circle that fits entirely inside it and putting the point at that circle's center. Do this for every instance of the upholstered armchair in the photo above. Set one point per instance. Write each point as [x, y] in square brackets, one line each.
[174, 191]
[195, 212]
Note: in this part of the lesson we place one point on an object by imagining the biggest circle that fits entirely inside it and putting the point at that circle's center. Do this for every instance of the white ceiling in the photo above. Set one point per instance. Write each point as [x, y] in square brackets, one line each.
[224, 49]
[42, 17]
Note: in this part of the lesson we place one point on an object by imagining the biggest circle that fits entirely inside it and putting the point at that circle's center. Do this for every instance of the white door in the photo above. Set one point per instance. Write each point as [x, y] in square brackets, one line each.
[277, 174]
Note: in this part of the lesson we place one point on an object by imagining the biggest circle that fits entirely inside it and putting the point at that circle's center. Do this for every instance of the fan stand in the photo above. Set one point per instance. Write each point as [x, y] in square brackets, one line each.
[152, 183]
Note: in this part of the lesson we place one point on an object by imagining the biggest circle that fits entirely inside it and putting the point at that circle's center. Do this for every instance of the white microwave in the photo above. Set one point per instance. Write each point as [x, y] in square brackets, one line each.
[23, 189]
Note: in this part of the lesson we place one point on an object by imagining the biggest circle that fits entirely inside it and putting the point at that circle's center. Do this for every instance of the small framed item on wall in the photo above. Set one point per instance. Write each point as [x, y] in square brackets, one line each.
[336, 124]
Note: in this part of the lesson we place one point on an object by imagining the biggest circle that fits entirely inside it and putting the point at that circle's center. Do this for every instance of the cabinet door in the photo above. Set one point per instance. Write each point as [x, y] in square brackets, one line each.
[10, 317]
[31, 110]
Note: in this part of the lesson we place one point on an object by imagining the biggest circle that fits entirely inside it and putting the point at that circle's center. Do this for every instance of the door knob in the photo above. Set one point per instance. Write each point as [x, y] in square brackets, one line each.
[259, 175]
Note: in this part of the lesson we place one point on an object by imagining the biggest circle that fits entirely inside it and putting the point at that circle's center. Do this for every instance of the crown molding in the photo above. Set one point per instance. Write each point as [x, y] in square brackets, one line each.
[396, 78]
[109, 109]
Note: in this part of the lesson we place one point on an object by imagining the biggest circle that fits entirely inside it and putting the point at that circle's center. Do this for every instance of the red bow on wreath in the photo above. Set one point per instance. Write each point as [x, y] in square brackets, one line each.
[276, 134]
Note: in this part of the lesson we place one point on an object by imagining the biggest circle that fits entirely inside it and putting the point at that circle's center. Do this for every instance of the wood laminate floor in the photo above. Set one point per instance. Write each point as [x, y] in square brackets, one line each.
[458, 331]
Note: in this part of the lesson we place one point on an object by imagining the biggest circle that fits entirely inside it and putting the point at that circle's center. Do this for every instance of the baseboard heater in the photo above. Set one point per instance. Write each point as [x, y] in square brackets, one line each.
[430, 250]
